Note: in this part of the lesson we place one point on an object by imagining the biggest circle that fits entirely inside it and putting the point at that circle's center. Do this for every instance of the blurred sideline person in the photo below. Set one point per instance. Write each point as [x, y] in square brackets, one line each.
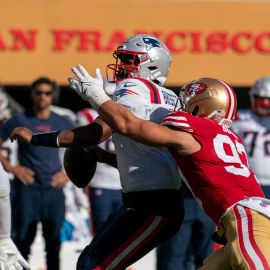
[104, 191]
[253, 125]
[152, 208]
[39, 176]
[76, 224]
[10, 257]
[187, 249]
[212, 161]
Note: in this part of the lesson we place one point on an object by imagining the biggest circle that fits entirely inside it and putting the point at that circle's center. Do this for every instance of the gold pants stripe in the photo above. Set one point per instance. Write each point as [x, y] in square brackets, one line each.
[248, 246]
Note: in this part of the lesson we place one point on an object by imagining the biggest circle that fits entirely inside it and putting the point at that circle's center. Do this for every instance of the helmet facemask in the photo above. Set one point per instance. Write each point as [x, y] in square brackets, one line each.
[261, 105]
[127, 65]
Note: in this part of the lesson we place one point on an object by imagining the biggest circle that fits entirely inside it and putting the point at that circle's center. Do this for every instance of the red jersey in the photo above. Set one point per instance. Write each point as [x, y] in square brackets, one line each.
[218, 174]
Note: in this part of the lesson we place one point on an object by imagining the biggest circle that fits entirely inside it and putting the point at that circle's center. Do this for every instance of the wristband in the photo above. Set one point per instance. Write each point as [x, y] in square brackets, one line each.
[46, 139]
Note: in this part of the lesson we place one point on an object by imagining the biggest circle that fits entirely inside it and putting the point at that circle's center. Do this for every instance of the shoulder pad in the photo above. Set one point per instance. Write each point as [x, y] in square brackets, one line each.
[179, 120]
[152, 89]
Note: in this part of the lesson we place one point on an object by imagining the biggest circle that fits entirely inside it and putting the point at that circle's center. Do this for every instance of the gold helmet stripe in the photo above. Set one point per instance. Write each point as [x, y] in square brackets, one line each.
[232, 101]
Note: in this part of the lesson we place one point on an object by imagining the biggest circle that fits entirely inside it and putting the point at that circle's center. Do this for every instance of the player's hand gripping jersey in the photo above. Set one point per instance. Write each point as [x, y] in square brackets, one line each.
[144, 167]
[255, 133]
[219, 187]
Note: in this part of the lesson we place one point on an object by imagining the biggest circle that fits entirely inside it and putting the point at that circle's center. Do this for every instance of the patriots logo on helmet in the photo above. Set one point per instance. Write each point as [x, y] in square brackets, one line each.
[123, 92]
[153, 43]
[195, 88]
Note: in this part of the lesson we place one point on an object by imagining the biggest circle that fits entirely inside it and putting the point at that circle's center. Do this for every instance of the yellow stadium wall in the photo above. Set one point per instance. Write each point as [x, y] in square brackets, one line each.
[229, 40]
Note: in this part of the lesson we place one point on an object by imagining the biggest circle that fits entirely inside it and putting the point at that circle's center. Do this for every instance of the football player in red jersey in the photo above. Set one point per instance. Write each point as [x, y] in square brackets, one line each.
[213, 161]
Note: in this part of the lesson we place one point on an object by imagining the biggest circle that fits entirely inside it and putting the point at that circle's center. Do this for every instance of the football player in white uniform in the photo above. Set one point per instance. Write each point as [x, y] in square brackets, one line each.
[8, 149]
[10, 257]
[253, 125]
[153, 207]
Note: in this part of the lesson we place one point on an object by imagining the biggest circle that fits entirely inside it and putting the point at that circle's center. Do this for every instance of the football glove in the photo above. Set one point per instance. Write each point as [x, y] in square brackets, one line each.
[88, 87]
[10, 257]
[109, 87]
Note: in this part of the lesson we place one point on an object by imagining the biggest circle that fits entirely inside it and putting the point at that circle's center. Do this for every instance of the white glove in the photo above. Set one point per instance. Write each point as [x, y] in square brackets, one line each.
[10, 257]
[109, 87]
[88, 87]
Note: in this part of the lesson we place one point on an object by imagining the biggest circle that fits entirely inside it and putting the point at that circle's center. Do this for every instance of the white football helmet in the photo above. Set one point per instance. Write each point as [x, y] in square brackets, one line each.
[260, 96]
[141, 56]
[210, 98]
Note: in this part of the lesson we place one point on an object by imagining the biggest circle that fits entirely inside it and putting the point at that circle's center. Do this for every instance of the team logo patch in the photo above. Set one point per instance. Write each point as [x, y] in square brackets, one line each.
[195, 88]
[153, 43]
[123, 92]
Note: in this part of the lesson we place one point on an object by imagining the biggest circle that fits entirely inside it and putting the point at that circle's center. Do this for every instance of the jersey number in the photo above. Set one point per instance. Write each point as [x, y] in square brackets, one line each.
[235, 148]
[253, 137]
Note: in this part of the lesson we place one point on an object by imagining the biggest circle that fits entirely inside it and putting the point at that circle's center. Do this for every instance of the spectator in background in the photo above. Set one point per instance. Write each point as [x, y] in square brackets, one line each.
[76, 224]
[105, 193]
[187, 249]
[253, 125]
[39, 177]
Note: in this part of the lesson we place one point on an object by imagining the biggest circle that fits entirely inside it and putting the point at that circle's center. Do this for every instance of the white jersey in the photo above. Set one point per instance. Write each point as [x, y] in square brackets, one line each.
[255, 133]
[145, 167]
[105, 176]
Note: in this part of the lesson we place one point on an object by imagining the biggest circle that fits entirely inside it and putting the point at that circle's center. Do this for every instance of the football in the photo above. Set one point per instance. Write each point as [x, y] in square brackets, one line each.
[80, 166]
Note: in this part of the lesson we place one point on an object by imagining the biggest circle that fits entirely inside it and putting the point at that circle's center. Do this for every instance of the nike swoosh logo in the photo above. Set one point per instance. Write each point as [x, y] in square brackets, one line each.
[129, 84]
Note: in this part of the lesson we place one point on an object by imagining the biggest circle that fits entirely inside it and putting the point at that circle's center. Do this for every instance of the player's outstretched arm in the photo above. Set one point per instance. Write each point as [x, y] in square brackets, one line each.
[124, 122]
[120, 119]
[84, 136]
